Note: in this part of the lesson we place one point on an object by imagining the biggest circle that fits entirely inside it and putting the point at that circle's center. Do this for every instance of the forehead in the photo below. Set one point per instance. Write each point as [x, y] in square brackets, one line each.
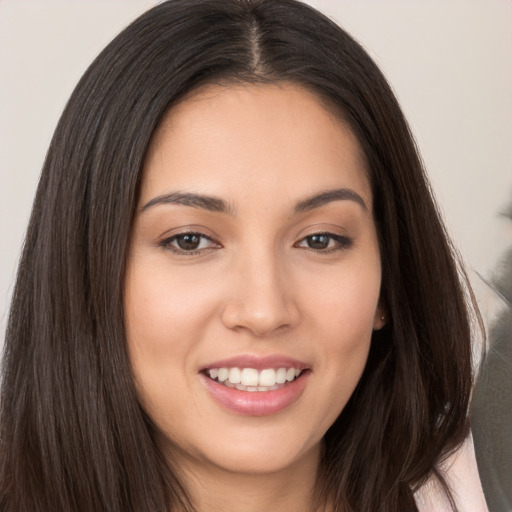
[263, 139]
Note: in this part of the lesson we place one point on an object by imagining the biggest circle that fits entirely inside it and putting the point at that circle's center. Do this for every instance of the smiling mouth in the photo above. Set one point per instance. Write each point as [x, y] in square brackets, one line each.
[250, 379]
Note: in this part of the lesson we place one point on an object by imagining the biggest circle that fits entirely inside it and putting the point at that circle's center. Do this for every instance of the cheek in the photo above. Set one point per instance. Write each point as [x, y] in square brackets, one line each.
[162, 318]
[343, 310]
[347, 320]
[161, 307]
[345, 301]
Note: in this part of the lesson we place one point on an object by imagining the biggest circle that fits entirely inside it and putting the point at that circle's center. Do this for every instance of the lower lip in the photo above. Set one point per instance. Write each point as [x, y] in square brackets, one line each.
[256, 403]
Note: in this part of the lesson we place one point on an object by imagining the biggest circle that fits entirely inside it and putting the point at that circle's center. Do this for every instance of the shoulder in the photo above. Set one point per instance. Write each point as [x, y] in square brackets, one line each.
[462, 475]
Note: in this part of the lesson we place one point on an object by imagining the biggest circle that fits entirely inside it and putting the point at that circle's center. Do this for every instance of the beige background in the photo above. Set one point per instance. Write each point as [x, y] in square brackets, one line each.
[448, 61]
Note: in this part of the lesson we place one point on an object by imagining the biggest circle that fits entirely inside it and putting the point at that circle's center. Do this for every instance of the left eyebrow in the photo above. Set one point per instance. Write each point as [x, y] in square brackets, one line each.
[210, 203]
[339, 194]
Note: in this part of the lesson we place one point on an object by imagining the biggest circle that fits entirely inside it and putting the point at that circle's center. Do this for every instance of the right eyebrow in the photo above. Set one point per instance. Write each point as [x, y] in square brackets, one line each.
[210, 203]
[328, 196]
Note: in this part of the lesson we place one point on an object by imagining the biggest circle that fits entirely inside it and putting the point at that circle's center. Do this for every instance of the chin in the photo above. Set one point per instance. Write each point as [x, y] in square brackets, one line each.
[257, 452]
[263, 461]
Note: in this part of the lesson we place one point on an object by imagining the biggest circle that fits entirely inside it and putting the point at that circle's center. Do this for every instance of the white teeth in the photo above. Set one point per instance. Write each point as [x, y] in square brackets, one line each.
[267, 377]
[234, 375]
[223, 374]
[290, 374]
[281, 375]
[249, 379]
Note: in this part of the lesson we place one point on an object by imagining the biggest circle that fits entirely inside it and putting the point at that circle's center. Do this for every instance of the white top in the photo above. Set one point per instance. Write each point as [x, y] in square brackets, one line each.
[462, 476]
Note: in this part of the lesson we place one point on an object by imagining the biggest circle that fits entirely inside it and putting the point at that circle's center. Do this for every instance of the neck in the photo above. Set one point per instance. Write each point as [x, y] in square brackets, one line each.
[213, 489]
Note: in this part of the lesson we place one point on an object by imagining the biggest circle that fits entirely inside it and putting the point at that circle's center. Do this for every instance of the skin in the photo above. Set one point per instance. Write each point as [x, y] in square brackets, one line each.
[254, 286]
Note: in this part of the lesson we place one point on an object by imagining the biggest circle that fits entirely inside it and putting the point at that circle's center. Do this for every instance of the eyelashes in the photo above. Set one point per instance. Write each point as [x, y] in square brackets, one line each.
[325, 242]
[192, 243]
[189, 243]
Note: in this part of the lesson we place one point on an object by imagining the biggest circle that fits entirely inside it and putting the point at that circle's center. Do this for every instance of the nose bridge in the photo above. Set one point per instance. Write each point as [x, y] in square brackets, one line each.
[260, 298]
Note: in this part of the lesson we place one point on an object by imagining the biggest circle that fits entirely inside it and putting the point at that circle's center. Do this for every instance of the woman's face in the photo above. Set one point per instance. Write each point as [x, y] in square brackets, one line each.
[253, 259]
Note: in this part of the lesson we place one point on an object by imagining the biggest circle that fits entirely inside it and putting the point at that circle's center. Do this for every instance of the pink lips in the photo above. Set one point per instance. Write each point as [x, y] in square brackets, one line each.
[258, 403]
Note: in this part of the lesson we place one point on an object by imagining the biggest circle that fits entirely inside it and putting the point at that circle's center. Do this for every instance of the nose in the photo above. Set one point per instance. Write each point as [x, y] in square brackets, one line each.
[261, 298]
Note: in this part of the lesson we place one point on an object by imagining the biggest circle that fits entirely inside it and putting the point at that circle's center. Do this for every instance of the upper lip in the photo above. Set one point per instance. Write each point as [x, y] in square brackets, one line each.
[257, 362]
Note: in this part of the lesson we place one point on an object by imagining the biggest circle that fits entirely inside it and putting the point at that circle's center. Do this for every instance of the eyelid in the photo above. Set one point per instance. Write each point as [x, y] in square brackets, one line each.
[166, 241]
[343, 242]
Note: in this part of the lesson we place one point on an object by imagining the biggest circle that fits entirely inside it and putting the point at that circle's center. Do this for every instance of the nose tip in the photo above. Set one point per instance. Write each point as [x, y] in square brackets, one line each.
[262, 305]
[256, 320]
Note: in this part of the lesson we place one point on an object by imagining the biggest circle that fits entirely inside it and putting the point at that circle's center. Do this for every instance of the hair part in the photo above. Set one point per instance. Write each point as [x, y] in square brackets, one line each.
[73, 435]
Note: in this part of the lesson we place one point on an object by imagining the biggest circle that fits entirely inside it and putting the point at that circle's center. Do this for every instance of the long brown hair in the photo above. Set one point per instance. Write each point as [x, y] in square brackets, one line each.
[73, 435]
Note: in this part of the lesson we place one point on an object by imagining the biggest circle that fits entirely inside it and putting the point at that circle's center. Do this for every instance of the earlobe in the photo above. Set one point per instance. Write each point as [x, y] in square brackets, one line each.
[380, 319]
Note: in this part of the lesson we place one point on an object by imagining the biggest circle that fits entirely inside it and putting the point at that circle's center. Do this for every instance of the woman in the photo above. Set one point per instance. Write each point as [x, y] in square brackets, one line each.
[235, 290]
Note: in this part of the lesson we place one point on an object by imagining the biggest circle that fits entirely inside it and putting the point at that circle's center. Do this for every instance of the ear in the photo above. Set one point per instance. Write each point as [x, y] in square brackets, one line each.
[381, 317]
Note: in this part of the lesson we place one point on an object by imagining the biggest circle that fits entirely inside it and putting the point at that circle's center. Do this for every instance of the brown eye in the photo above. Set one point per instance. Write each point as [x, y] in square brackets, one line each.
[188, 242]
[318, 242]
[325, 242]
